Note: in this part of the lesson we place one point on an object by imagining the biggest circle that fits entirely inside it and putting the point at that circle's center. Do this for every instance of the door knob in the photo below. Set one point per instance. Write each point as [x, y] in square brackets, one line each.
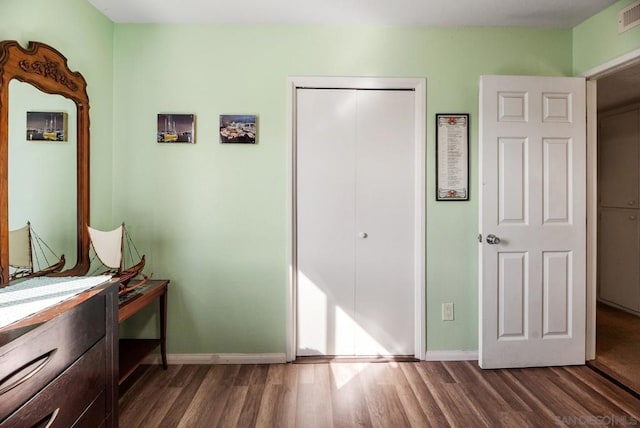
[492, 239]
[363, 235]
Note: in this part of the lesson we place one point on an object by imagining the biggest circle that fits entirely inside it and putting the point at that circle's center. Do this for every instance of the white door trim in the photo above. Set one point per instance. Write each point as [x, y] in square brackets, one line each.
[611, 66]
[592, 217]
[419, 86]
[592, 77]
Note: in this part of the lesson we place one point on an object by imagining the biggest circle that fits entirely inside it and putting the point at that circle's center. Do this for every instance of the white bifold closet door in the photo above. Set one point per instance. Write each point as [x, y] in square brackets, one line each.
[355, 222]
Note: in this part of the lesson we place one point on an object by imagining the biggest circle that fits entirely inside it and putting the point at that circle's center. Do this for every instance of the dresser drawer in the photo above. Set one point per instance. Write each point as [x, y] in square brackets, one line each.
[94, 415]
[30, 362]
[68, 397]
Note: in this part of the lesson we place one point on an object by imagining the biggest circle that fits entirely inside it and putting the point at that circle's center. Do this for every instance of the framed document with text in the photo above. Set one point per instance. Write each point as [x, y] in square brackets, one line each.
[452, 157]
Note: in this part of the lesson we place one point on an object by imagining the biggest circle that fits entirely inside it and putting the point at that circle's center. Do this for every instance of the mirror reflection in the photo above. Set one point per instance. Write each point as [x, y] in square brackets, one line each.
[42, 179]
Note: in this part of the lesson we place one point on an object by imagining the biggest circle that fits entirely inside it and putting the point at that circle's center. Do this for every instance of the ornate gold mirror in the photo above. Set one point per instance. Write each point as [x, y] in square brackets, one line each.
[45, 69]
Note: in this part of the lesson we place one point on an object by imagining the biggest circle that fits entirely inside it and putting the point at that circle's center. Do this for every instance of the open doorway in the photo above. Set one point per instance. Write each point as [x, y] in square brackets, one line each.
[617, 313]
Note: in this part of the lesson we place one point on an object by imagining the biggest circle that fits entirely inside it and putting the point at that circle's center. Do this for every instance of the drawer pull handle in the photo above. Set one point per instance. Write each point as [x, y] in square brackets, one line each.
[48, 421]
[31, 368]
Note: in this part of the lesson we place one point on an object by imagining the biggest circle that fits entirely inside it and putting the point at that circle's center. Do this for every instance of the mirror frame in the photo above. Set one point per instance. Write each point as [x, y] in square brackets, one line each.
[45, 68]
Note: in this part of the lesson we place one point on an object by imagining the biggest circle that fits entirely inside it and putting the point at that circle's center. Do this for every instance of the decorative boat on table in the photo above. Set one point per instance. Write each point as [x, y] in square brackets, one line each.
[24, 246]
[109, 248]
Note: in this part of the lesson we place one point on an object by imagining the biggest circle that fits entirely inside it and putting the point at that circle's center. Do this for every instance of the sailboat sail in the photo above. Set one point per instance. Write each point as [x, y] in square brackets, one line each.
[20, 248]
[27, 255]
[108, 246]
[109, 249]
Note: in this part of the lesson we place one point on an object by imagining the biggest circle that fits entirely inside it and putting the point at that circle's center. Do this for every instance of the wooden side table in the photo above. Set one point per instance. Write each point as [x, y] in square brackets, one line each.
[134, 351]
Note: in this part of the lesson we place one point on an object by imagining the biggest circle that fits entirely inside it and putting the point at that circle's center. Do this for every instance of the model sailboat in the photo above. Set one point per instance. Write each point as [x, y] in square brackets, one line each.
[170, 132]
[109, 249]
[22, 251]
[51, 130]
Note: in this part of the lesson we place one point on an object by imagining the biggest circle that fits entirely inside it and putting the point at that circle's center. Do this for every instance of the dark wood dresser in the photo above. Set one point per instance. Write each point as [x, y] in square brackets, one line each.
[59, 367]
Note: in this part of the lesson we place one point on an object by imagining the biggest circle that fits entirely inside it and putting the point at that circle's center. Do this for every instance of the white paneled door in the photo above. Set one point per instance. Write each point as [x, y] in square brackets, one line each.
[532, 221]
[355, 222]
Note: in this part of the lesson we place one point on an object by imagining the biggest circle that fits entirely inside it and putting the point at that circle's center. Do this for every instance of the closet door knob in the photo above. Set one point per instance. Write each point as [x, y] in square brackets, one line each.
[363, 235]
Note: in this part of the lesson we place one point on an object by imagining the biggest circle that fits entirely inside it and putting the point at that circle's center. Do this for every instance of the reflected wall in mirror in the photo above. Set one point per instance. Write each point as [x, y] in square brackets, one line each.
[42, 180]
[44, 183]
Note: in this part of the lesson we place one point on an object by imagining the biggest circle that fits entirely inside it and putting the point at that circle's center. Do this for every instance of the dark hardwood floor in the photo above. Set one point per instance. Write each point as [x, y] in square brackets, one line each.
[421, 394]
[618, 345]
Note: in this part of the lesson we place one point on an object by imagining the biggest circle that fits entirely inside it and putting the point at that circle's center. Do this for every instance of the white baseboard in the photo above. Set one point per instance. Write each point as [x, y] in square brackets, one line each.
[276, 358]
[280, 358]
[451, 355]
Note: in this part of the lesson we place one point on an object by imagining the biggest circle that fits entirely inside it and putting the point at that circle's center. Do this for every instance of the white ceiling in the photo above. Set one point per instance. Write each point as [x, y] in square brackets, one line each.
[520, 13]
[614, 90]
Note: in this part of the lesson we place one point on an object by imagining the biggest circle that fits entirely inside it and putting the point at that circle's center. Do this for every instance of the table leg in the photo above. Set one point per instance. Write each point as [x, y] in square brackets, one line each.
[163, 327]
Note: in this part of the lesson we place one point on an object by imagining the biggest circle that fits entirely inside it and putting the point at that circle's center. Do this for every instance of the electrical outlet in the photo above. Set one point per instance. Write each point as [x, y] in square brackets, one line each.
[447, 311]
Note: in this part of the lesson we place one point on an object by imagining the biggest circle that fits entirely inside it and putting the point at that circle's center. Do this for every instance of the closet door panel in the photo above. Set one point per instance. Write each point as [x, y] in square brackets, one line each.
[618, 160]
[619, 256]
[384, 292]
[325, 221]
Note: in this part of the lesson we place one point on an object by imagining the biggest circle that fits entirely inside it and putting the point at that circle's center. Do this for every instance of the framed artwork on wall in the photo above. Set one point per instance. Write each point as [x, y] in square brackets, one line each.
[46, 126]
[452, 157]
[238, 129]
[176, 128]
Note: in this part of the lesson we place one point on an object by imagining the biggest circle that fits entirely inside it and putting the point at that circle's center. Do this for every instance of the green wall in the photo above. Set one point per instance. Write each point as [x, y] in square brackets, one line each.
[212, 217]
[596, 40]
[85, 37]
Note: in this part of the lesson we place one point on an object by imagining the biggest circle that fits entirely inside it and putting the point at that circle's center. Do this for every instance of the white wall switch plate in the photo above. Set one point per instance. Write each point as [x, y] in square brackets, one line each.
[447, 311]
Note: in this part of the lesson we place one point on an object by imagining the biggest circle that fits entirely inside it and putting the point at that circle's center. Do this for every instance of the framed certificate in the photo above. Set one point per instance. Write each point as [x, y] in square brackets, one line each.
[452, 157]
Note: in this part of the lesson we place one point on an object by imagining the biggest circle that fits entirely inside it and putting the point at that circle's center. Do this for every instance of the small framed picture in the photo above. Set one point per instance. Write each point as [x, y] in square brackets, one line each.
[46, 126]
[176, 128]
[452, 157]
[238, 129]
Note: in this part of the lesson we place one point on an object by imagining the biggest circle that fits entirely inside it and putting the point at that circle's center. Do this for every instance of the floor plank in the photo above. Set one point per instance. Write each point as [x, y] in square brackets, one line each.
[347, 396]
[142, 396]
[608, 390]
[313, 407]
[251, 406]
[236, 396]
[208, 403]
[538, 385]
[424, 397]
[187, 392]
[383, 403]
[618, 345]
[405, 394]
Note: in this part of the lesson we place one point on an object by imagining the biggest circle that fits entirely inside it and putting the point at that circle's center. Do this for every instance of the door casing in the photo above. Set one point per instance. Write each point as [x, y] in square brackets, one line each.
[592, 76]
[419, 86]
